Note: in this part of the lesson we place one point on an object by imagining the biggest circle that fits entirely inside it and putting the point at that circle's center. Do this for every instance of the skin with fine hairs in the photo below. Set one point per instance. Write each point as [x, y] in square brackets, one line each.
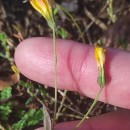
[77, 71]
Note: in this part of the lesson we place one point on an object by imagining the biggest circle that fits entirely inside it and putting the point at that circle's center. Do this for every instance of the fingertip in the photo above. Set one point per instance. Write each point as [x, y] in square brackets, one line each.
[30, 56]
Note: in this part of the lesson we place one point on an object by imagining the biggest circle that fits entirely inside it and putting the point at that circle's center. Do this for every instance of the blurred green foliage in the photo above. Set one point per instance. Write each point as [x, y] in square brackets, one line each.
[5, 108]
[30, 118]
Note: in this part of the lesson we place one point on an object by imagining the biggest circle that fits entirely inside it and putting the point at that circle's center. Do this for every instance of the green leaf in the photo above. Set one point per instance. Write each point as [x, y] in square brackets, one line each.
[5, 111]
[6, 108]
[3, 38]
[55, 11]
[6, 52]
[6, 93]
[63, 33]
[30, 118]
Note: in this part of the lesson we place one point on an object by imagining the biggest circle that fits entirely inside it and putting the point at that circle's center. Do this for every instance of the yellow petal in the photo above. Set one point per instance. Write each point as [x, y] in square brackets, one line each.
[100, 56]
[43, 7]
[15, 69]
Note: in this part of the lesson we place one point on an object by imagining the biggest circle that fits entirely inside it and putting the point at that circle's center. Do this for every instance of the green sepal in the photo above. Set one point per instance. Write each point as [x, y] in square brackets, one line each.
[101, 77]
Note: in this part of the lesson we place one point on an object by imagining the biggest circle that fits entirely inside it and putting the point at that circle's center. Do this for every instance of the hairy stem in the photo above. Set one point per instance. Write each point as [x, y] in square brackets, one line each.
[55, 74]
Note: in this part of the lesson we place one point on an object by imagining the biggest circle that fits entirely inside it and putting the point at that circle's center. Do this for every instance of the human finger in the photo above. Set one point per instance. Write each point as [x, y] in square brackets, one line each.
[118, 120]
[76, 68]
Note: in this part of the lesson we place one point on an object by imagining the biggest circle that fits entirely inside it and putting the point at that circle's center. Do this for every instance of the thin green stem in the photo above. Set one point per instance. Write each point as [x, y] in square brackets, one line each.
[90, 109]
[55, 74]
[74, 21]
[61, 105]
[110, 11]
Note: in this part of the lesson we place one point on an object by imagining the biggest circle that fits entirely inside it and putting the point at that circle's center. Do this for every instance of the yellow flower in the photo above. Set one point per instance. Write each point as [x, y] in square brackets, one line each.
[44, 8]
[100, 56]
